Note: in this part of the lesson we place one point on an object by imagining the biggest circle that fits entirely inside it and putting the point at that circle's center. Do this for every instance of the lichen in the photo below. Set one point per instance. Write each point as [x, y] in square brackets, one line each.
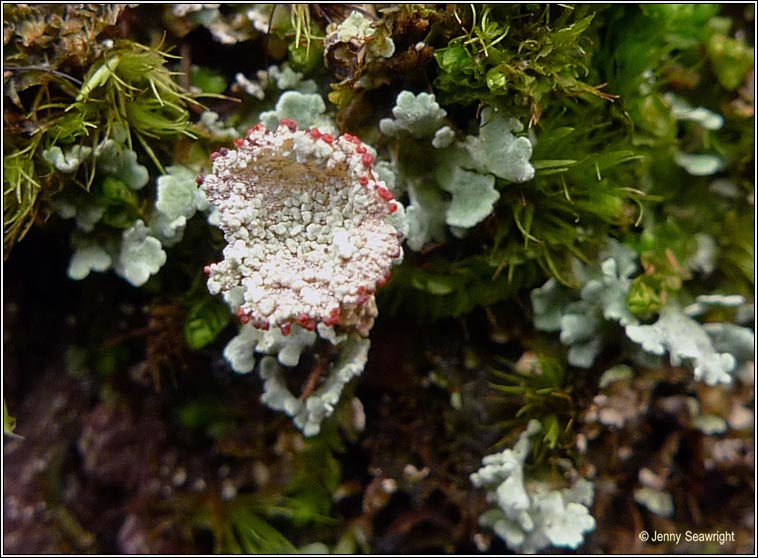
[310, 412]
[685, 341]
[418, 115]
[305, 220]
[466, 170]
[529, 516]
[140, 256]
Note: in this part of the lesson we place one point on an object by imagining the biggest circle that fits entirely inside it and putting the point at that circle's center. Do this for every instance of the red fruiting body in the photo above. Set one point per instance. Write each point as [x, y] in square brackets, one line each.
[360, 149]
[199, 180]
[291, 124]
[303, 319]
[362, 300]
[207, 270]
[257, 128]
[362, 290]
[244, 318]
[348, 136]
[328, 138]
[383, 280]
[261, 324]
[393, 207]
[396, 253]
[314, 133]
[384, 193]
[239, 142]
[286, 328]
[310, 326]
[367, 159]
[214, 155]
[363, 180]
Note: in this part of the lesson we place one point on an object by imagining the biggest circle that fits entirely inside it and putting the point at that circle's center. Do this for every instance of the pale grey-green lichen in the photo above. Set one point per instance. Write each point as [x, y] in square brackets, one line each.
[308, 414]
[417, 115]
[467, 170]
[69, 161]
[280, 352]
[530, 516]
[240, 351]
[307, 109]
[88, 256]
[498, 151]
[686, 342]
[140, 256]
[178, 199]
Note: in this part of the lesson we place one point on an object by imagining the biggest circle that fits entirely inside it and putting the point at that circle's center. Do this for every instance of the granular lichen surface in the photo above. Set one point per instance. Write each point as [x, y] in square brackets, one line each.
[305, 219]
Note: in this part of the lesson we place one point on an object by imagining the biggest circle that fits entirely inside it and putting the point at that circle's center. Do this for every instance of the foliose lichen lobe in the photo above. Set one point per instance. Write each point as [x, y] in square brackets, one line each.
[305, 221]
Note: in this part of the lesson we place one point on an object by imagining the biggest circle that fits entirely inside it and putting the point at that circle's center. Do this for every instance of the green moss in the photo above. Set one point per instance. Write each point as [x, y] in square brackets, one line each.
[518, 58]
[127, 94]
[9, 422]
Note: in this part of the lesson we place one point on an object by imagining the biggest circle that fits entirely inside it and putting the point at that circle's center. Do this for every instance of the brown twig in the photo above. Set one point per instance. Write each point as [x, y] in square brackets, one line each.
[316, 373]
